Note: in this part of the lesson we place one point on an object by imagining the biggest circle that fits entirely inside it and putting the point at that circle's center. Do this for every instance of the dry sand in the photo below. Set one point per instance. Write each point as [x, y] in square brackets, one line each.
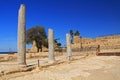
[90, 68]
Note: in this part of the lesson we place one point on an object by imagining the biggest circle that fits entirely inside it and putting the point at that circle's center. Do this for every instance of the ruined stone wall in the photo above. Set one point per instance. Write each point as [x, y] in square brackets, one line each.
[34, 47]
[108, 42]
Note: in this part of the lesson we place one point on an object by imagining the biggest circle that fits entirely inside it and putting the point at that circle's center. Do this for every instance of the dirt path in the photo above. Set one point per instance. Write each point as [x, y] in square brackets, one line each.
[91, 68]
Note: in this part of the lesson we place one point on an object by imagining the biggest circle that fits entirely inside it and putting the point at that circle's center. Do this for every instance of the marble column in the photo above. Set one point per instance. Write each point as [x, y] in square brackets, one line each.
[22, 35]
[51, 45]
[69, 51]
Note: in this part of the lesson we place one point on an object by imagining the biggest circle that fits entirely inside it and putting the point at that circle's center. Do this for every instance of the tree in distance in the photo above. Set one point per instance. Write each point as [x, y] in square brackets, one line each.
[77, 33]
[71, 35]
[58, 44]
[37, 34]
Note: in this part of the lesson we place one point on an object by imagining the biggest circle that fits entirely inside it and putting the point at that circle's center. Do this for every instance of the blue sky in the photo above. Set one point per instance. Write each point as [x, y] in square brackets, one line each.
[91, 17]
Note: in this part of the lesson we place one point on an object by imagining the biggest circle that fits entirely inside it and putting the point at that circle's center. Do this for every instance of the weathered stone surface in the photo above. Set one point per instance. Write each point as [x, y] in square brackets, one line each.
[69, 51]
[51, 45]
[22, 35]
[34, 47]
[35, 50]
[44, 49]
[108, 42]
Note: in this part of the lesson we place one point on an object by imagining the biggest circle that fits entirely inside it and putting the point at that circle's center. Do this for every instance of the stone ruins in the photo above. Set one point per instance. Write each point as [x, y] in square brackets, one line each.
[107, 42]
[34, 48]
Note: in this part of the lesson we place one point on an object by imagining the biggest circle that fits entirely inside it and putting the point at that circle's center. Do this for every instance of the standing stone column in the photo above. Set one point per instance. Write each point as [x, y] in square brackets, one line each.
[22, 35]
[69, 51]
[51, 45]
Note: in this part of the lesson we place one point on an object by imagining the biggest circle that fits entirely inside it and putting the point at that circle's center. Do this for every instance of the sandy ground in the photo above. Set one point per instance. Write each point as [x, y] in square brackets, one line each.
[89, 68]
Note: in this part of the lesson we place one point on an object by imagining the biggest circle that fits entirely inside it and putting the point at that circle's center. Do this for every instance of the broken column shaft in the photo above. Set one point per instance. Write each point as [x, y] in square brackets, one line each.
[51, 45]
[69, 51]
[22, 35]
